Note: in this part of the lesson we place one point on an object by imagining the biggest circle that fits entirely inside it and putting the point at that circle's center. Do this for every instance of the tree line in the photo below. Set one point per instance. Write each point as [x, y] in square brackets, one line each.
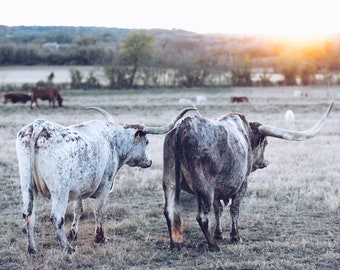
[161, 58]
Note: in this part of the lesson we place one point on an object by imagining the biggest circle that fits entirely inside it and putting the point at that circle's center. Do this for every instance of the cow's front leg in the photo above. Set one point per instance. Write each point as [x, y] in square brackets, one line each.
[59, 205]
[204, 206]
[218, 209]
[78, 211]
[98, 214]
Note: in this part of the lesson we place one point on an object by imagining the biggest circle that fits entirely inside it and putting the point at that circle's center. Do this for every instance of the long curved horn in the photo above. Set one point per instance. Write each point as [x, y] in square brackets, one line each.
[107, 116]
[163, 129]
[295, 135]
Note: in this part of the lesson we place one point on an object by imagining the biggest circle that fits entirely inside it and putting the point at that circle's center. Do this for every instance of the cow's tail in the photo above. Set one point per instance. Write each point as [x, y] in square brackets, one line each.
[36, 130]
[177, 228]
[177, 156]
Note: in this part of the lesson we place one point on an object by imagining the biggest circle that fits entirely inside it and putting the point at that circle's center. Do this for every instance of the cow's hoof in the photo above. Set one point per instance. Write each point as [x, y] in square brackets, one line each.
[31, 250]
[100, 240]
[70, 250]
[177, 246]
[214, 248]
[235, 240]
[218, 235]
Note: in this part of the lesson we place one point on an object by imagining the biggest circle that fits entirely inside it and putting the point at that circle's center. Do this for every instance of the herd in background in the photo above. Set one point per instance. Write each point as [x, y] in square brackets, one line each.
[51, 94]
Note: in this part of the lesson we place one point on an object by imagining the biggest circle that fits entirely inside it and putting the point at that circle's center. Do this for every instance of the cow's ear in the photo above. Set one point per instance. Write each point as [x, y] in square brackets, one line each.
[139, 134]
[257, 136]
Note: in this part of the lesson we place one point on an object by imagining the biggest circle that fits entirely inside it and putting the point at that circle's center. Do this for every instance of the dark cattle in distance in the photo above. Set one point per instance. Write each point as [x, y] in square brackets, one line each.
[212, 160]
[46, 93]
[242, 99]
[15, 97]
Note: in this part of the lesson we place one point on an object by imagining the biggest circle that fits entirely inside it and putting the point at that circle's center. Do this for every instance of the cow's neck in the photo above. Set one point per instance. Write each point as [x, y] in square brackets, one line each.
[124, 140]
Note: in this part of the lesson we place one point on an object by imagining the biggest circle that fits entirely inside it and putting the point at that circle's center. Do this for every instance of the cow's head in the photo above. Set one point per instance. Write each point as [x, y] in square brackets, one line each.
[60, 101]
[258, 145]
[138, 156]
[261, 132]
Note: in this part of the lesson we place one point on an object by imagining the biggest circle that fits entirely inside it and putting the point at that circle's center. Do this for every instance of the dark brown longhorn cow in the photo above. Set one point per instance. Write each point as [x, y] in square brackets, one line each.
[213, 159]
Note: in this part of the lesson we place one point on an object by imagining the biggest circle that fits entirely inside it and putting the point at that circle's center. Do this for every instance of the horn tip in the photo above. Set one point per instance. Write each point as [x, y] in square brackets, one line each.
[90, 108]
[330, 107]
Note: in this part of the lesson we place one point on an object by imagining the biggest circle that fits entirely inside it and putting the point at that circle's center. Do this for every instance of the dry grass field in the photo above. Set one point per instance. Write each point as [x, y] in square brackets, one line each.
[289, 219]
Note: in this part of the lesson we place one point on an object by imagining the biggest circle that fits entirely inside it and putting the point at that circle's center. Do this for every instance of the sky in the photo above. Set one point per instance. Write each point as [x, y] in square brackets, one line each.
[296, 18]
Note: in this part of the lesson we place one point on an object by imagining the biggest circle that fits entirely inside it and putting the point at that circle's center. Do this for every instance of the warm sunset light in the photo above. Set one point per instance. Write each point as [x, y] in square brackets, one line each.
[297, 18]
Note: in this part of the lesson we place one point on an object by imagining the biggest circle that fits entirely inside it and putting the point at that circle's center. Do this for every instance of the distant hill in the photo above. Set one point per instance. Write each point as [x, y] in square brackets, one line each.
[67, 34]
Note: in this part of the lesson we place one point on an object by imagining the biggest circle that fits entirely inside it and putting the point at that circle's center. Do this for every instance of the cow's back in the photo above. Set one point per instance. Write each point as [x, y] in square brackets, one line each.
[212, 154]
[41, 93]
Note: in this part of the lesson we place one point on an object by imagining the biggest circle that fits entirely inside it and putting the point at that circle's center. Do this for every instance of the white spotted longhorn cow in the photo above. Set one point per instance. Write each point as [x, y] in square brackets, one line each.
[74, 163]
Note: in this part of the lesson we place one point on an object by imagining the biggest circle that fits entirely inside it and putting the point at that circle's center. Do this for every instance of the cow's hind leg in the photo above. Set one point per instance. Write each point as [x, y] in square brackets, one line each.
[28, 208]
[218, 209]
[78, 211]
[173, 218]
[234, 234]
[234, 213]
[204, 206]
[59, 205]
[29, 230]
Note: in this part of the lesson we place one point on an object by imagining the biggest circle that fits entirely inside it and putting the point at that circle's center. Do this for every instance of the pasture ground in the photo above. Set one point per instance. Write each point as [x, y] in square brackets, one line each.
[289, 219]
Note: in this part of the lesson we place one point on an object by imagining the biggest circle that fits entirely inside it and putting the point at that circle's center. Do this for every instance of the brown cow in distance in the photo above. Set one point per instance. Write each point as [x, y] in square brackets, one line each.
[239, 99]
[15, 97]
[45, 93]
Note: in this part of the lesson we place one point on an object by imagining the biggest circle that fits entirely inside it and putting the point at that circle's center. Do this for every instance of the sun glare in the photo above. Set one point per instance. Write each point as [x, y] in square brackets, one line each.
[291, 19]
[300, 28]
